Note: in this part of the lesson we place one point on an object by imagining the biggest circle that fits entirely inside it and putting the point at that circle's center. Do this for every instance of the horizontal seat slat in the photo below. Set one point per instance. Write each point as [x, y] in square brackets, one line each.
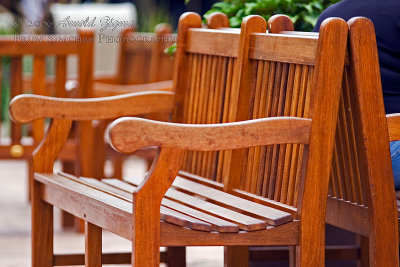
[70, 184]
[242, 194]
[270, 215]
[87, 203]
[216, 223]
[245, 222]
[166, 214]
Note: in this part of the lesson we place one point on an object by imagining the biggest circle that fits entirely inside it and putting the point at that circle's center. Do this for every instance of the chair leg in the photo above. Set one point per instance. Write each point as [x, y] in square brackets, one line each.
[42, 229]
[92, 245]
[236, 256]
[67, 219]
[30, 178]
[146, 244]
[117, 166]
[176, 256]
[364, 251]
[292, 256]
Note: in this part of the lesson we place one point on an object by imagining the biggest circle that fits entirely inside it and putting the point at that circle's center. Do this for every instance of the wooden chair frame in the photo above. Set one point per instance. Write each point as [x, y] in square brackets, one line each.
[369, 210]
[306, 231]
[81, 45]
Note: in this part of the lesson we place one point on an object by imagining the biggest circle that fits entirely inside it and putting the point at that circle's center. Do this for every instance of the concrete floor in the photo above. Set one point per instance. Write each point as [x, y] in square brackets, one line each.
[15, 225]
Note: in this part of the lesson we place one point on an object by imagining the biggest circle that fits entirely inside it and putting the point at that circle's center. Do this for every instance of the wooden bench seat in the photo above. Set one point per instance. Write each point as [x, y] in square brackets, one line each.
[188, 204]
[209, 89]
[176, 209]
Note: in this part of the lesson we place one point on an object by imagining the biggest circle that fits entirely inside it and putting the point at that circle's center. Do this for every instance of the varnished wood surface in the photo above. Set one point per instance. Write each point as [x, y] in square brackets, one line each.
[393, 121]
[244, 85]
[26, 108]
[350, 184]
[102, 90]
[375, 167]
[284, 48]
[207, 137]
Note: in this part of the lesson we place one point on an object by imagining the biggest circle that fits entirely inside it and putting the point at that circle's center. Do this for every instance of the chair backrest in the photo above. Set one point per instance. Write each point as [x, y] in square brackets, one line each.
[41, 47]
[204, 71]
[225, 76]
[361, 193]
[142, 58]
[345, 182]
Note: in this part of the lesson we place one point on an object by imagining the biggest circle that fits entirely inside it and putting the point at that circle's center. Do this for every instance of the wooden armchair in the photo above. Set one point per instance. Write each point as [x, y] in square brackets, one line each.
[142, 63]
[143, 66]
[21, 142]
[361, 195]
[213, 82]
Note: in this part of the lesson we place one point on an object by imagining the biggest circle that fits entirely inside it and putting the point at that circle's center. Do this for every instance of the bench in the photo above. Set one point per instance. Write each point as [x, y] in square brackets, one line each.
[361, 195]
[215, 218]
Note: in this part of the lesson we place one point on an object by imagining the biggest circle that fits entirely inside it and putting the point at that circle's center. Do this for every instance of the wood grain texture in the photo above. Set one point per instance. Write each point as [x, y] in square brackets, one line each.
[327, 74]
[137, 218]
[374, 146]
[280, 23]
[217, 20]
[210, 42]
[89, 109]
[240, 96]
[130, 134]
[284, 48]
[93, 245]
[146, 211]
[393, 121]
[103, 89]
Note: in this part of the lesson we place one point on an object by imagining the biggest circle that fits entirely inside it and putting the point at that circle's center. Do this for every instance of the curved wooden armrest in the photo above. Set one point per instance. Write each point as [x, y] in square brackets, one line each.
[393, 121]
[26, 108]
[104, 89]
[130, 134]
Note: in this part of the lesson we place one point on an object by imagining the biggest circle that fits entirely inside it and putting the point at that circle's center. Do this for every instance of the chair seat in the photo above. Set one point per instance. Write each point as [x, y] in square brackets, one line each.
[187, 203]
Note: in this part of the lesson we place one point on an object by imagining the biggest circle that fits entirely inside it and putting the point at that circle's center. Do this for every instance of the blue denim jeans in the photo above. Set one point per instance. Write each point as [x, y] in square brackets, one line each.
[395, 154]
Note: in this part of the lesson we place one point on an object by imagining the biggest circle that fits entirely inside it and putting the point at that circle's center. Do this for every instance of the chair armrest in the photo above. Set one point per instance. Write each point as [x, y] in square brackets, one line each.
[393, 121]
[130, 134]
[26, 108]
[104, 89]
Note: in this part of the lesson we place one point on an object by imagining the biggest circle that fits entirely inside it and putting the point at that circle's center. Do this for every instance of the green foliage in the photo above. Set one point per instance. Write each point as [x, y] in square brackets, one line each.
[170, 50]
[154, 15]
[304, 13]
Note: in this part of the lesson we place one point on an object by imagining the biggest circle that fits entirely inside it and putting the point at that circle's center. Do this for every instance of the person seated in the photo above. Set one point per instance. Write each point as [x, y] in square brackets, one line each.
[385, 14]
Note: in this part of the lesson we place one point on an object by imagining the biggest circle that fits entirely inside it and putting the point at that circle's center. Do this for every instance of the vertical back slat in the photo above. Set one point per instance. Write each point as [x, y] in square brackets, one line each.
[268, 149]
[292, 150]
[1, 97]
[352, 139]
[281, 148]
[61, 75]
[16, 89]
[288, 148]
[302, 150]
[263, 101]
[39, 88]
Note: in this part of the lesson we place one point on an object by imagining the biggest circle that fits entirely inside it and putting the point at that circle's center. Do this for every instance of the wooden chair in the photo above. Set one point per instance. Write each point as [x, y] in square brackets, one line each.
[22, 141]
[226, 213]
[143, 66]
[361, 196]
[141, 61]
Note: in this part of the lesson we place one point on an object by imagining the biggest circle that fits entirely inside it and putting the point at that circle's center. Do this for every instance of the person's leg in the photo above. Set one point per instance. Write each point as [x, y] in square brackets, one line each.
[395, 154]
